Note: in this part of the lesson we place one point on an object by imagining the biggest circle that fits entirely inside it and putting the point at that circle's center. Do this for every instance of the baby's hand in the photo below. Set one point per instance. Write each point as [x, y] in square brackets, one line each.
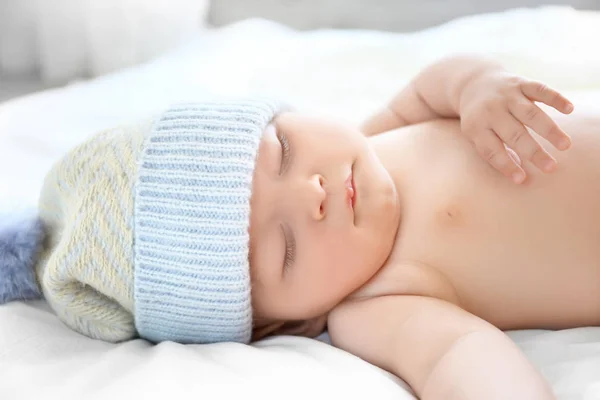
[494, 109]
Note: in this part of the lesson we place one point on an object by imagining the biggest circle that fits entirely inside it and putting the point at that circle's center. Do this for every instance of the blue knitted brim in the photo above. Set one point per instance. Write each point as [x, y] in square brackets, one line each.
[192, 214]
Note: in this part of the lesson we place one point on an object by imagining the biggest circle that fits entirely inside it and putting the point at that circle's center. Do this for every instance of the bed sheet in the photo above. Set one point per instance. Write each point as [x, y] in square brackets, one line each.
[343, 73]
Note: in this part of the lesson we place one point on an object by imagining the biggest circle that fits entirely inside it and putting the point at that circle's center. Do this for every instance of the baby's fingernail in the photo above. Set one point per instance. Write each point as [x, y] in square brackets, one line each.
[518, 177]
[569, 107]
[564, 144]
[549, 165]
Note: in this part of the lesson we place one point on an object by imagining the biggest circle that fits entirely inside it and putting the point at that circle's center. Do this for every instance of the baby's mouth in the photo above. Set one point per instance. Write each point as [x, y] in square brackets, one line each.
[351, 189]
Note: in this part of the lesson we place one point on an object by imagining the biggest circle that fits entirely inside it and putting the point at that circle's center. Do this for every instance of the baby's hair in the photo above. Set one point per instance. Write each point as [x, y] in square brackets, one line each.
[263, 327]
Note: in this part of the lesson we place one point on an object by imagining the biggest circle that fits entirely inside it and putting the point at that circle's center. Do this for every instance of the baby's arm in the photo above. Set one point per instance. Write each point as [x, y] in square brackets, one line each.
[440, 350]
[433, 93]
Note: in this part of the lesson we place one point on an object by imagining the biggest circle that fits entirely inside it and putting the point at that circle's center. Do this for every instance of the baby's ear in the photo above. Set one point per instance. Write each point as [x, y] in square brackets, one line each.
[309, 328]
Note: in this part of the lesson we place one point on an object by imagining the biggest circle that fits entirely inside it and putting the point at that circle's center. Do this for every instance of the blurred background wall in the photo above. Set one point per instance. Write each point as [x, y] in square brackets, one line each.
[389, 15]
[46, 43]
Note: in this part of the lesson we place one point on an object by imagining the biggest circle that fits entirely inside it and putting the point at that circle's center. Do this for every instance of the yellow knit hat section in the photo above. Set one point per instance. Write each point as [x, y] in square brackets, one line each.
[86, 269]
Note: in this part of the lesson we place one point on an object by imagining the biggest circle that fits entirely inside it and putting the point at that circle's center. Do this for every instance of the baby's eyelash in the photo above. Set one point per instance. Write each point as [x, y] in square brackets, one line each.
[290, 255]
[285, 152]
[290, 250]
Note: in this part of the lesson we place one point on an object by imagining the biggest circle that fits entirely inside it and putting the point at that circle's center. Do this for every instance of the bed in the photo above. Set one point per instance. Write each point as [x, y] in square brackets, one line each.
[344, 73]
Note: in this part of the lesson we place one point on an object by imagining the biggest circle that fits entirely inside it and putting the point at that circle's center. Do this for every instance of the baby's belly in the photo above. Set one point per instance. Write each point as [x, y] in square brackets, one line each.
[518, 256]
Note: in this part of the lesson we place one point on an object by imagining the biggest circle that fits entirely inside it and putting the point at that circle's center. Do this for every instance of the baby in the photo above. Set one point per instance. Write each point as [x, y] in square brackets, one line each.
[231, 221]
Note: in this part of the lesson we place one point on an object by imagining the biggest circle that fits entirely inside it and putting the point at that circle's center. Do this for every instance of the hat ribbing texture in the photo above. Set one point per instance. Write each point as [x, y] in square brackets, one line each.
[192, 217]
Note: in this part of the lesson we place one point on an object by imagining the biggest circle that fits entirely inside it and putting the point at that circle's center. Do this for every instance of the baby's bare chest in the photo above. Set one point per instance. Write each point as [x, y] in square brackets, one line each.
[518, 256]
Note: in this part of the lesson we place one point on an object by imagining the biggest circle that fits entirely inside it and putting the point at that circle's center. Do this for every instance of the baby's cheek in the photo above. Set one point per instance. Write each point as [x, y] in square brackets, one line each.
[333, 246]
[343, 255]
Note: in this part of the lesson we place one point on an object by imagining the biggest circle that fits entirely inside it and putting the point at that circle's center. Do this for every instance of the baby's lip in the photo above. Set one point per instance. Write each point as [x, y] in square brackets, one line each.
[350, 190]
[353, 189]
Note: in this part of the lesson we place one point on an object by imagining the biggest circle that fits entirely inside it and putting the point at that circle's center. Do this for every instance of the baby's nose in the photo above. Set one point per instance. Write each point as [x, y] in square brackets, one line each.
[318, 197]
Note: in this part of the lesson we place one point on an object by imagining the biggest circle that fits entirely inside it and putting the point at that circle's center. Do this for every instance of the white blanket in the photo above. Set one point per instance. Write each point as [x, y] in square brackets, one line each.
[343, 73]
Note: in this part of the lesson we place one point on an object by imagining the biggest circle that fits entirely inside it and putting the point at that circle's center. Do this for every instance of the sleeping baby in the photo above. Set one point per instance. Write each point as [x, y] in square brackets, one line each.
[451, 215]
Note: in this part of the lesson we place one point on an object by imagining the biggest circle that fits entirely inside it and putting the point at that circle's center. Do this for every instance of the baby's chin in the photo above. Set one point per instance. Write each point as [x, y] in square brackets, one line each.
[384, 213]
[383, 239]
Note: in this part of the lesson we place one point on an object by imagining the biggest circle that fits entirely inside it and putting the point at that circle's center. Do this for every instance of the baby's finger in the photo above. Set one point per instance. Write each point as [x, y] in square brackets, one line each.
[490, 148]
[538, 91]
[520, 140]
[513, 155]
[535, 118]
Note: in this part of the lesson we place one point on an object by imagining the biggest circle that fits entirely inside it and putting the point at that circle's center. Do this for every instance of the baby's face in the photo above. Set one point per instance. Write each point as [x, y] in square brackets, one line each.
[310, 246]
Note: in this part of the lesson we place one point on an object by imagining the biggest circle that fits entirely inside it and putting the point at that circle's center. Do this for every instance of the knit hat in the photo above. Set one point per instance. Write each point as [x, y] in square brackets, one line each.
[146, 229]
